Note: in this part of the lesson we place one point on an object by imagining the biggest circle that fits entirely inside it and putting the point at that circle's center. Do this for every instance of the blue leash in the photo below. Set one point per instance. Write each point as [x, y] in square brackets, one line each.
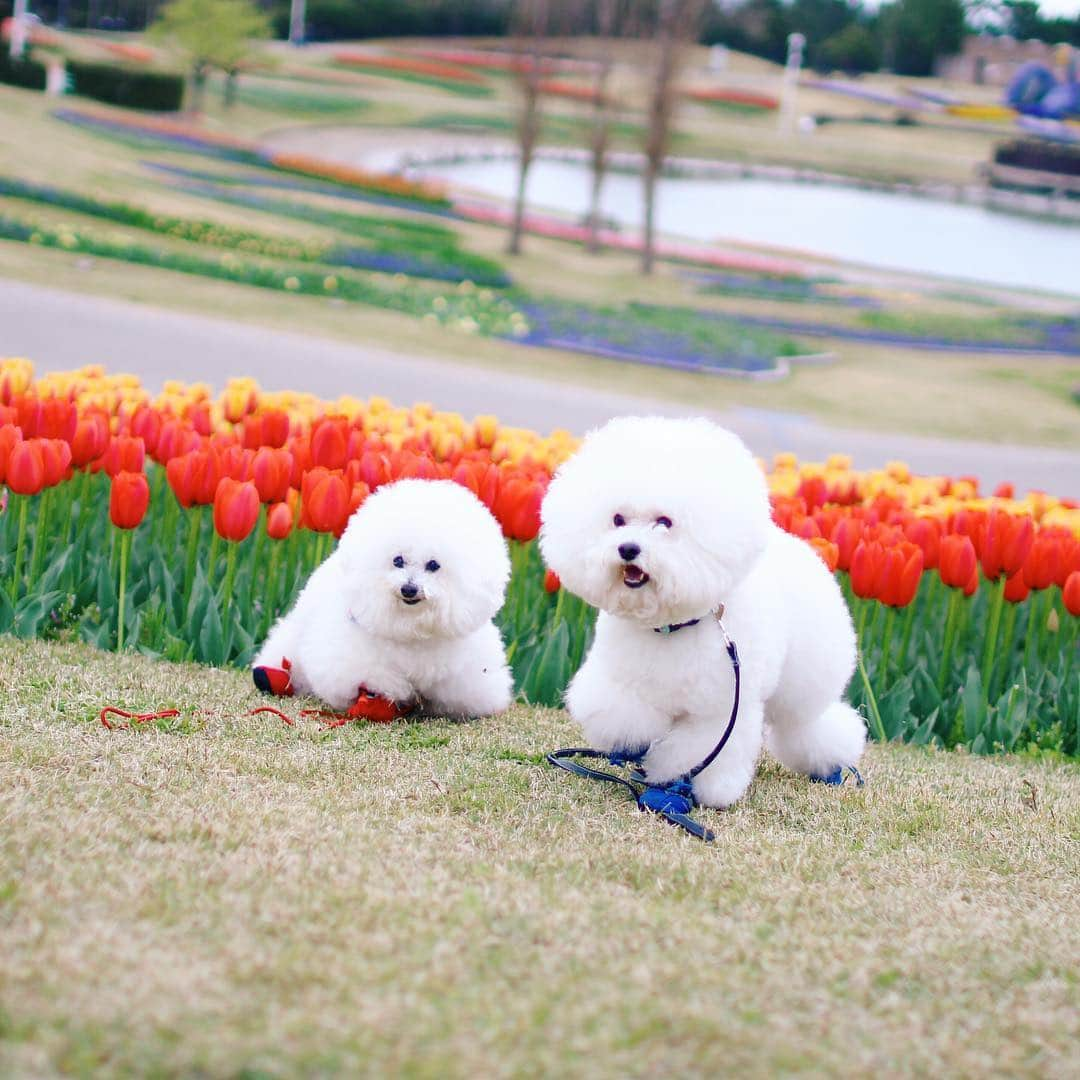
[673, 801]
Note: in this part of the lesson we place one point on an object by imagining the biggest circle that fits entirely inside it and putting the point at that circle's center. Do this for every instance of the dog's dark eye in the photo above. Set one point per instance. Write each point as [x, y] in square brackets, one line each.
[619, 521]
[431, 566]
[665, 521]
[399, 561]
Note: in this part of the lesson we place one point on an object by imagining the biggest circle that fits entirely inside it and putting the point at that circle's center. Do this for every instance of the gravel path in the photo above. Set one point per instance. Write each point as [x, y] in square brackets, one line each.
[60, 330]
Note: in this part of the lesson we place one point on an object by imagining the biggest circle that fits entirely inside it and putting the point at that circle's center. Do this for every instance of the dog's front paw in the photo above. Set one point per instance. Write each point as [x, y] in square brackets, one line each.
[721, 789]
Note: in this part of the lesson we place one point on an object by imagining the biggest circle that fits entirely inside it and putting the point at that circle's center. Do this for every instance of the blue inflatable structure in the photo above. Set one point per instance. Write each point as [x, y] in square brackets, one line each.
[1036, 91]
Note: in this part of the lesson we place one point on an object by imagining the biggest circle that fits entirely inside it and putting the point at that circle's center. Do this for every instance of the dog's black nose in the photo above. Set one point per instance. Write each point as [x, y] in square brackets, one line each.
[629, 552]
[409, 590]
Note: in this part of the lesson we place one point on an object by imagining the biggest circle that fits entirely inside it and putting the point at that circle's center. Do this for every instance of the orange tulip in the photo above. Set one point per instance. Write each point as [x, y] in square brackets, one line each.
[236, 508]
[827, 551]
[10, 436]
[329, 442]
[867, 564]
[56, 457]
[324, 501]
[902, 569]
[126, 453]
[1008, 540]
[91, 439]
[129, 498]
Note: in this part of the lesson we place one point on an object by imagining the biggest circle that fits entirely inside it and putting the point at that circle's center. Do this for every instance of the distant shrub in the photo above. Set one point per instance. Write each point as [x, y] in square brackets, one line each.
[25, 73]
[159, 91]
[1036, 154]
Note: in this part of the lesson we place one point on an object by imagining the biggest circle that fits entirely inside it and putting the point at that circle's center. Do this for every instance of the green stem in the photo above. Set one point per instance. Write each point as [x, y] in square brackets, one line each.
[190, 554]
[269, 596]
[1007, 634]
[230, 572]
[950, 635]
[125, 547]
[886, 647]
[997, 600]
[1036, 614]
[20, 545]
[41, 529]
[905, 637]
[875, 714]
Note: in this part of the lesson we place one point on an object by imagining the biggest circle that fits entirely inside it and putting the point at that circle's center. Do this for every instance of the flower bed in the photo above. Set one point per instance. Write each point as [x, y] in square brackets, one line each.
[420, 251]
[743, 100]
[503, 62]
[967, 608]
[458, 80]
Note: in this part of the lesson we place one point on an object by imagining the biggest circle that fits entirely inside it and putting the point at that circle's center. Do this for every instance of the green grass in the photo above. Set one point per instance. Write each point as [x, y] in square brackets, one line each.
[225, 896]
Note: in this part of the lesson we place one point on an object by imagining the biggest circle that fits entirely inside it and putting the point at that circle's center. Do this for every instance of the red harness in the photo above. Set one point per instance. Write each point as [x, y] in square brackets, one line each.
[368, 705]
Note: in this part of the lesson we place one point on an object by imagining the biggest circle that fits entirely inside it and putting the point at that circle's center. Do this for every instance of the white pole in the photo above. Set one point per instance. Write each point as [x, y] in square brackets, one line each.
[18, 29]
[297, 18]
[795, 43]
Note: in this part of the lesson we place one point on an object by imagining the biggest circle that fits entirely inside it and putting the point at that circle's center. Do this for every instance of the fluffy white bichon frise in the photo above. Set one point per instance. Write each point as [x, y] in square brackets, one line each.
[403, 608]
[664, 525]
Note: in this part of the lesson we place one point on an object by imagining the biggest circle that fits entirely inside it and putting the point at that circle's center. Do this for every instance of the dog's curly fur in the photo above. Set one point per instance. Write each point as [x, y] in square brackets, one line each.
[404, 606]
[688, 506]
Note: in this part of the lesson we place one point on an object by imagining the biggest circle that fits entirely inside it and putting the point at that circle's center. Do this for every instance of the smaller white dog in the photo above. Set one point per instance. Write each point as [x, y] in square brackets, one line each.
[403, 608]
[662, 524]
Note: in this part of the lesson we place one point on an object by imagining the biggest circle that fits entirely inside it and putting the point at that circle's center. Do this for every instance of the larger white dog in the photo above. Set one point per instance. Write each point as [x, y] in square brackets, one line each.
[404, 606]
[663, 522]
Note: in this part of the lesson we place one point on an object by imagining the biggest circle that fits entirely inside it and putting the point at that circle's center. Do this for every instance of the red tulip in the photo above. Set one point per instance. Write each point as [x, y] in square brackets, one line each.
[201, 419]
[1016, 589]
[57, 419]
[867, 562]
[126, 453]
[1005, 490]
[279, 521]
[814, 492]
[957, 562]
[236, 508]
[552, 584]
[926, 532]
[375, 469]
[129, 498]
[275, 428]
[10, 436]
[902, 569]
[271, 470]
[1071, 593]
[324, 501]
[147, 423]
[1008, 540]
[518, 507]
[1043, 563]
[480, 478]
[91, 439]
[29, 409]
[56, 457]
[329, 442]
[846, 536]
[26, 468]
[235, 462]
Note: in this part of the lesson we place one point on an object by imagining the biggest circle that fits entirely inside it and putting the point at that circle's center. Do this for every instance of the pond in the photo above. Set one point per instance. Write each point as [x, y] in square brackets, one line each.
[878, 229]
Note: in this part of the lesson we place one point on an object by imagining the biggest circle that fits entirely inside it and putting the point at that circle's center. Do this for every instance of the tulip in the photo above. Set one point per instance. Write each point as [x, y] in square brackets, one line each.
[126, 453]
[867, 563]
[275, 428]
[279, 521]
[239, 399]
[26, 468]
[1071, 593]
[1043, 563]
[57, 419]
[1016, 589]
[846, 536]
[1008, 540]
[518, 508]
[926, 532]
[551, 582]
[271, 471]
[827, 551]
[324, 501]
[236, 509]
[329, 442]
[91, 439]
[10, 437]
[957, 561]
[129, 498]
[56, 458]
[146, 423]
[481, 479]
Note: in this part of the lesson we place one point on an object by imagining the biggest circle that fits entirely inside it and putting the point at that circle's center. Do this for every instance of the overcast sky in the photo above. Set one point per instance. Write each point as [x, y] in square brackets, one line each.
[1070, 8]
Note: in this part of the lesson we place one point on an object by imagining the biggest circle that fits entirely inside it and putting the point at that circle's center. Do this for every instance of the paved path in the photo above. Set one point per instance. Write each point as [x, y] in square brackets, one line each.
[60, 330]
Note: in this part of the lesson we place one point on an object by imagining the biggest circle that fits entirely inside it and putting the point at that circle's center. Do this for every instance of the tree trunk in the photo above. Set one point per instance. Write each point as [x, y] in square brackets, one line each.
[528, 134]
[648, 254]
[231, 86]
[198, 87]
[600, 137]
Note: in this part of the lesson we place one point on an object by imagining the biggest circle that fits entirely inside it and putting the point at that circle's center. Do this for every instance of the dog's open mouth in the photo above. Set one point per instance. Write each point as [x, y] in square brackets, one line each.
[413, 601]
[634, 577]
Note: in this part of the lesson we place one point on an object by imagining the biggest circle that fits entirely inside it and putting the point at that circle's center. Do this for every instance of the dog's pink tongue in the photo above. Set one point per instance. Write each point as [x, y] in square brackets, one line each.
[633, 574]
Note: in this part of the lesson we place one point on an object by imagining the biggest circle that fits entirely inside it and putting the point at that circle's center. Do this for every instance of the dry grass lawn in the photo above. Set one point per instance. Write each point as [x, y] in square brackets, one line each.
[223, 896]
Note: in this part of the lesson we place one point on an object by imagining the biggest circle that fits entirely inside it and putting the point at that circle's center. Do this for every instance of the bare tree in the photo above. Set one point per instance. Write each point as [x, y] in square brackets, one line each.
[674, 25]
[533, 20]
[607, 14]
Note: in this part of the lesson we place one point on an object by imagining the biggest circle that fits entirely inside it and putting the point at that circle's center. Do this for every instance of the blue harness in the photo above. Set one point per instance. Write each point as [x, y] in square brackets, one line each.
[673, 801]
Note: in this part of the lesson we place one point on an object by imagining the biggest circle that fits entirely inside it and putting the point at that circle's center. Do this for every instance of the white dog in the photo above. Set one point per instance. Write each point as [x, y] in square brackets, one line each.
[404, 607]
[663, 524]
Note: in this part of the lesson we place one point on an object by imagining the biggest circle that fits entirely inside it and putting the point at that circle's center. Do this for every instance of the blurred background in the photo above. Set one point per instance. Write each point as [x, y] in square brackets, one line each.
[837, 227]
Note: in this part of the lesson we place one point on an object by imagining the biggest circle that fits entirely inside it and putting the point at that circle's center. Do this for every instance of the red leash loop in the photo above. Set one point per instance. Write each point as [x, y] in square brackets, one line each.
[137, 718]
[277, 712]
